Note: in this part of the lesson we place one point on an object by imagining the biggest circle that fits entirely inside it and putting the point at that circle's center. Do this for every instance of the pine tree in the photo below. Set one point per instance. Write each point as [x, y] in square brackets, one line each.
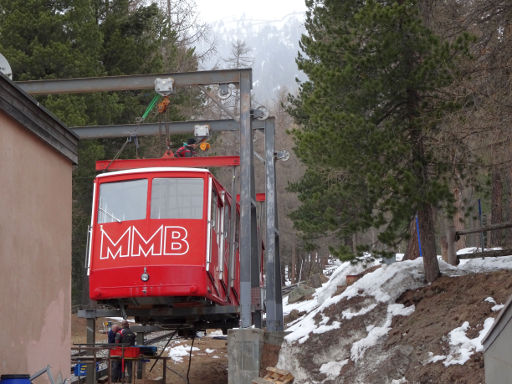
[370, 113]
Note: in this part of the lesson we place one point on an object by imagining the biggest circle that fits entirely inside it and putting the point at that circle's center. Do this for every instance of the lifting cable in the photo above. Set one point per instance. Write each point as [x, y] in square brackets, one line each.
[149, 108]
[128, 140]
[190, 356]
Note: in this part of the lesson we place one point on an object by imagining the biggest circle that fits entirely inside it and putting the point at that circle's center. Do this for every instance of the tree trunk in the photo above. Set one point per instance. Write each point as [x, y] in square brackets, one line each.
[412, 251]
[293, 277]
[458, 218]
[428, 242]
[508, 236]
[496, 206]
[444, 248]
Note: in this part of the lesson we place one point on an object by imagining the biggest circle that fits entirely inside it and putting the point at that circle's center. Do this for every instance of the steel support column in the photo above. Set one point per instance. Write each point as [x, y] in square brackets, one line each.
[140, 364]
[246, 204]
[274, 300]
[232, 237]
[256, 253]
[91, 340]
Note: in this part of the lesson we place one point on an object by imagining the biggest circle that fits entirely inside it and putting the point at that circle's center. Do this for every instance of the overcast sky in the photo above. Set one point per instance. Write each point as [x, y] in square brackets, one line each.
[256, 10]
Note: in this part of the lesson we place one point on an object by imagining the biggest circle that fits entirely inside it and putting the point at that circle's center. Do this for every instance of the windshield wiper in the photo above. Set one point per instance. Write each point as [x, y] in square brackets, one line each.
[109, 214]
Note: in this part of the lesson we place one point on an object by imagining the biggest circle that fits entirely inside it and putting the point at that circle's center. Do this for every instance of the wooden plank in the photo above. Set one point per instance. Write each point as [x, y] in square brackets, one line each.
[276, 376]
[494, 253]
[491, 227]
[278, 371]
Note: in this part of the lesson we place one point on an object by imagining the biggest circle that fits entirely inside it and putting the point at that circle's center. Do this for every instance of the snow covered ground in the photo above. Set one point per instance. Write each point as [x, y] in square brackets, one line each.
[371, 292]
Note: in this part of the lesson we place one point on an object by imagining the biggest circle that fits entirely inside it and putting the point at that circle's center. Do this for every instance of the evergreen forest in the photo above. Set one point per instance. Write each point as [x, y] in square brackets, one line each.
[402, 124]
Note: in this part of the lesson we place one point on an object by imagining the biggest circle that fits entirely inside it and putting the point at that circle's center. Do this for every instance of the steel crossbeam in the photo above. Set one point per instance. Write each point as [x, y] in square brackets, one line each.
[211, 161]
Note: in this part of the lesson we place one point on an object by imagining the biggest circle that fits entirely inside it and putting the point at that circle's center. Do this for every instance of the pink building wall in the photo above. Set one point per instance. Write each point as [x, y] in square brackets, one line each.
[35, 253]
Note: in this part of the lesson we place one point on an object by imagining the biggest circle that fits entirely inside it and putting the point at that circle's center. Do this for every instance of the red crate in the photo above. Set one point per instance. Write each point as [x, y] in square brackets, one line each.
[128, 351]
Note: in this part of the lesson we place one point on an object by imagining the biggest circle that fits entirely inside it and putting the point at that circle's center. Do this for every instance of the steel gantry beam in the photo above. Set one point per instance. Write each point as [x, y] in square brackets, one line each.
[250, 299]
[152, 129]
[129, 82]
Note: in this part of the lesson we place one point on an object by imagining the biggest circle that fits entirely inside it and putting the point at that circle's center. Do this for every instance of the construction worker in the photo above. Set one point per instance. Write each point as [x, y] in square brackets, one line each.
[188, 149]
[127, 337]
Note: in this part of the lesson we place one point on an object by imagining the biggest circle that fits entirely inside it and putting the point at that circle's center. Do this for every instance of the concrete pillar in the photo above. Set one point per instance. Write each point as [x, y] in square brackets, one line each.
[245, 346]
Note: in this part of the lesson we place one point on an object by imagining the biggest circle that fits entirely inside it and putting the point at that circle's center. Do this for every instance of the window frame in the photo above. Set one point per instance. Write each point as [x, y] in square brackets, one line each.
[98, 209]
[150, 197]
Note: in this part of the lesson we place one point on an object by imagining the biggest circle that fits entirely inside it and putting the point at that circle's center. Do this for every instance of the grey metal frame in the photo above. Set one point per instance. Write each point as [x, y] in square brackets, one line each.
[250, 299]
[274, 298]
[130, 82]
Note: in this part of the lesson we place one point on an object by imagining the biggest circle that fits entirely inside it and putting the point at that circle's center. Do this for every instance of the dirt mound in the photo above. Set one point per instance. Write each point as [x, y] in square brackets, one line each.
[441, 307]
[389, 327]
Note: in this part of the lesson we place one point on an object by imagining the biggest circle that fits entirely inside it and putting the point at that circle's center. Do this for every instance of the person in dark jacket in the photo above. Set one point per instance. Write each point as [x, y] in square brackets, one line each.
[188, 149]
[126, 337]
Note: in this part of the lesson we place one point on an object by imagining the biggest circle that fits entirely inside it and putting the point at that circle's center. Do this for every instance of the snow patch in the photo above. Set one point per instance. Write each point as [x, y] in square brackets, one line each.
[332, 369]
[434, 358]
[348, 314]
[176, 353]
[496, 307]
[375, 333]
[462, 347]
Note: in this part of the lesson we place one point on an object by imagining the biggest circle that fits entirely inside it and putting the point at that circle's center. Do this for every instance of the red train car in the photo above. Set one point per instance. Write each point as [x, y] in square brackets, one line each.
[161, 246]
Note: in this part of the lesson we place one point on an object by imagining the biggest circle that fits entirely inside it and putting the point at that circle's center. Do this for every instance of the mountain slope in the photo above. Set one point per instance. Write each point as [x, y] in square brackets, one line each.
[273, 49]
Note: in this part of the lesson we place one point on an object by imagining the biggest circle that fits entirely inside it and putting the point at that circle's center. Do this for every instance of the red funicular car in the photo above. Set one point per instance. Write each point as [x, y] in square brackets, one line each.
[160, 246]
